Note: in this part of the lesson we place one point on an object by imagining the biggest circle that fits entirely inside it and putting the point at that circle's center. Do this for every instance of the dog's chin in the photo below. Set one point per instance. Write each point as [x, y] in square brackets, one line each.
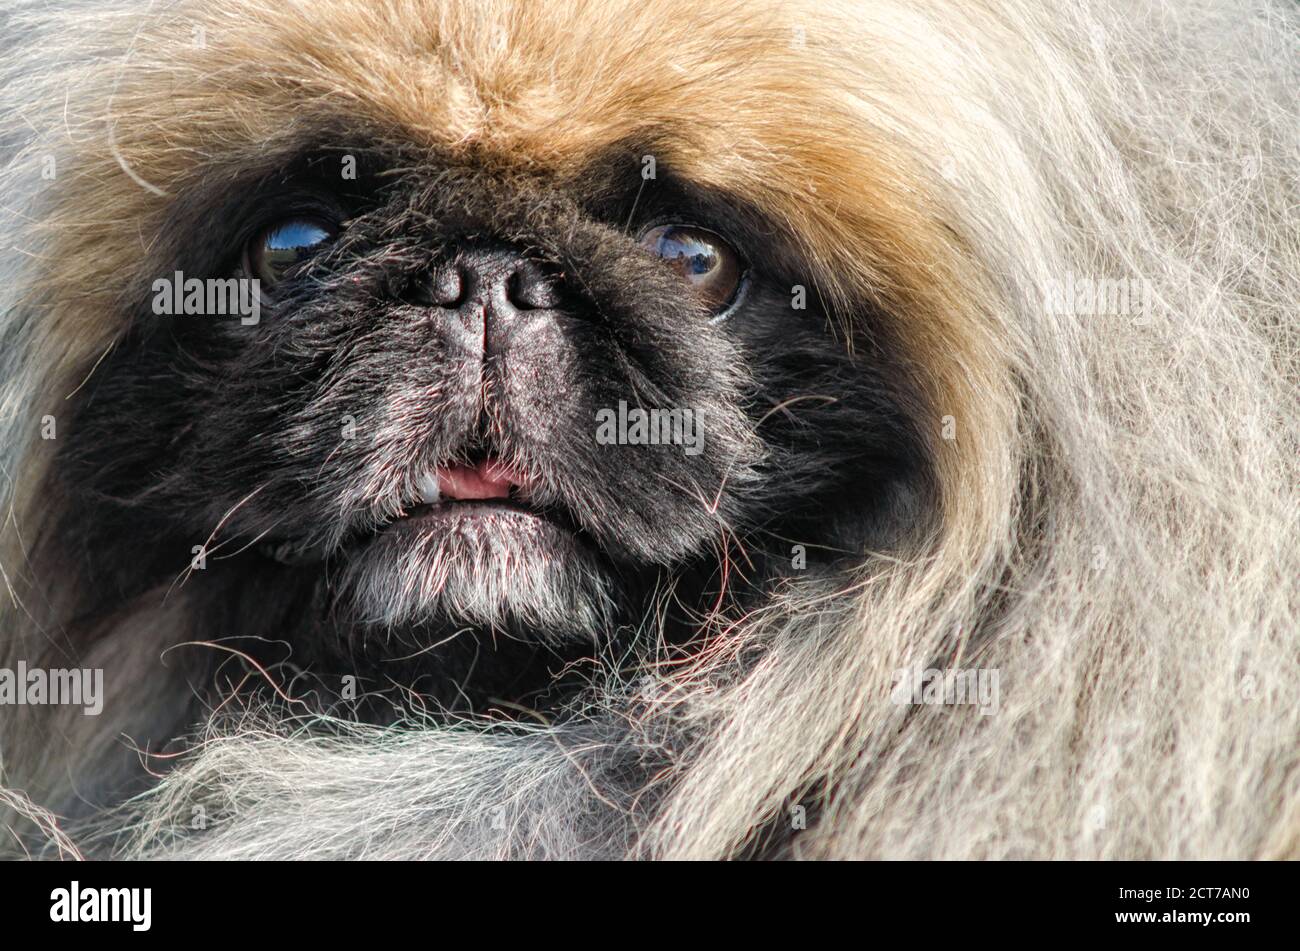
[487, 565]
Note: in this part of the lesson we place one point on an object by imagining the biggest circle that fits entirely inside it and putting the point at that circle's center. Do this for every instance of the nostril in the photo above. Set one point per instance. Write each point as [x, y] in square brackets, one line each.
[530, 289]
[443, 287]
[447, 288]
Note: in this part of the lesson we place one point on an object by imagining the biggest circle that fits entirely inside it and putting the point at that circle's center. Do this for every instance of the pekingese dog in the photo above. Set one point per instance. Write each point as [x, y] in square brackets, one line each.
[741, 429]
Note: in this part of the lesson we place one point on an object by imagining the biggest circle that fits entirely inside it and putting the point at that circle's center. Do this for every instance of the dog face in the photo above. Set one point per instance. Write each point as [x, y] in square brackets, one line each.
[480, 397]
[421, 430]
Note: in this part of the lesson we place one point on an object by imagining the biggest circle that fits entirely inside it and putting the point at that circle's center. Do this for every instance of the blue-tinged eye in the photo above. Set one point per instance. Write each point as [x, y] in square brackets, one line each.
[708, 263]
[277, 248]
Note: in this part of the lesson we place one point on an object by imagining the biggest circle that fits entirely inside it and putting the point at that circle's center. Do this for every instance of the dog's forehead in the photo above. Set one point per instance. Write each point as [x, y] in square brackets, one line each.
[526, 82]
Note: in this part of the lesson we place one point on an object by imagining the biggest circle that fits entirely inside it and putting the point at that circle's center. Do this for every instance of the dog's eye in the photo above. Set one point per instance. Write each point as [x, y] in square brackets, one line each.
[703, 258]
[280, 246]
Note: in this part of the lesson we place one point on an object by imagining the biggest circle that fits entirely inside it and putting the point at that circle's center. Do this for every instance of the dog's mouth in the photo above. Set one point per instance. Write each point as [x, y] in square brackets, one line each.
[482, 497]
[486, 491]
[469, 491]
[472, 543]
[476, 549]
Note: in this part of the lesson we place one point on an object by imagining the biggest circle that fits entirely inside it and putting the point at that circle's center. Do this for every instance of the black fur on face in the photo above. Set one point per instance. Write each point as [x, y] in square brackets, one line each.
[290, 452]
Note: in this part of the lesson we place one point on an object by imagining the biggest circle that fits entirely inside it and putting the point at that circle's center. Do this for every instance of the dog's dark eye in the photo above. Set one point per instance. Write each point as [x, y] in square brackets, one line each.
[280, 246]
[711, 265]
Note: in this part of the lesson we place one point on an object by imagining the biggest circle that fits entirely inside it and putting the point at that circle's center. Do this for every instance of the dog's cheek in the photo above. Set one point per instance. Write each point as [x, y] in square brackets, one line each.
[649, 500]
[308, 422]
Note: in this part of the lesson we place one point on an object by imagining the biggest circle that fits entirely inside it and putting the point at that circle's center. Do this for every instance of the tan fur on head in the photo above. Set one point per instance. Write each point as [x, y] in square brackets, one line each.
[1116, 520]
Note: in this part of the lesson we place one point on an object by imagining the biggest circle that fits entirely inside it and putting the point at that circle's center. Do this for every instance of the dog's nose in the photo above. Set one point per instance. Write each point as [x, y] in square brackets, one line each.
[494, 294]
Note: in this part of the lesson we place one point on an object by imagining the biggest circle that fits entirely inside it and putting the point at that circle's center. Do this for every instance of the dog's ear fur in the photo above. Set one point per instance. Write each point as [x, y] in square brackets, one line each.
[1113, 487]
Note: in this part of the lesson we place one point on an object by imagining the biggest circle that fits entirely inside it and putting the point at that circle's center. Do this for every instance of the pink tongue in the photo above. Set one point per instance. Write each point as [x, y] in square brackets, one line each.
[487, 480]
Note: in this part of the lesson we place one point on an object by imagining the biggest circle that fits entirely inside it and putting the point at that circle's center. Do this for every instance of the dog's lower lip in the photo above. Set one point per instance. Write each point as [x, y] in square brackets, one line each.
[468, 508]
[451, 512]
